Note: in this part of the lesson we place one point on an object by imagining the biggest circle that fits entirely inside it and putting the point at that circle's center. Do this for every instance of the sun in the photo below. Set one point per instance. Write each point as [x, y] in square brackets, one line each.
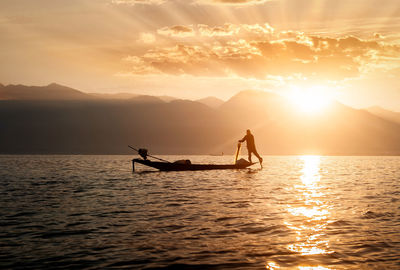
[310, 100]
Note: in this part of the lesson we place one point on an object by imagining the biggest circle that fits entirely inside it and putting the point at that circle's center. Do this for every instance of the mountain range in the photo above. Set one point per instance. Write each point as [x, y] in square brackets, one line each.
[56, 119]
[385, 114]
[55, 91]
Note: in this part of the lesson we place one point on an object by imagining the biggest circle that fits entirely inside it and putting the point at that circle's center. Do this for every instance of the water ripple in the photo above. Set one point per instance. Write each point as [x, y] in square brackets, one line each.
[91, 212]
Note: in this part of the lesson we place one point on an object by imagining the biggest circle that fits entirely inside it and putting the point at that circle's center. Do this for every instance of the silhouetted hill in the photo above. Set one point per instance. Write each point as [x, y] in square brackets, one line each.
[129, 96]
[281, 129]
[146, 99]
[59, 92]
[50, 92]
[255, 106]
[167, 98]
[385, 114]
[212, 102]
[106, 126]
[114, 96]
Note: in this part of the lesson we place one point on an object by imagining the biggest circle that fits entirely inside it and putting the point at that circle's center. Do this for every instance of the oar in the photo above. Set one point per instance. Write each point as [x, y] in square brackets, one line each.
[237, 151]
[149, 155]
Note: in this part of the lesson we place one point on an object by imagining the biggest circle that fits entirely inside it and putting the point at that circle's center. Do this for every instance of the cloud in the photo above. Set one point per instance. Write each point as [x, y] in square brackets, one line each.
[258, 29]
[227, 29]
[232, 2]
[140, 2]
[138, 66]
[247, 31]
[257, 51]
[177, 31]
[242, 30]
[147, 38]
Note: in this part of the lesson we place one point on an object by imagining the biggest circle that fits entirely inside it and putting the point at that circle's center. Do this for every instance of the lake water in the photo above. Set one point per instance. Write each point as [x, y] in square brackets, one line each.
[298, 212]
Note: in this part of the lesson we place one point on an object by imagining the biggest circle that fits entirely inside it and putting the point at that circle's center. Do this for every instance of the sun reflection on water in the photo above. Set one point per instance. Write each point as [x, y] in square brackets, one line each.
[273, 266]
[309, 216]
[310, 170]
[313, 268]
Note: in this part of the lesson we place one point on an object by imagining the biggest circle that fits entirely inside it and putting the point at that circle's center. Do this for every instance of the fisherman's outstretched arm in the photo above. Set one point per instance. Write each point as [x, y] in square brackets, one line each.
[244, 138]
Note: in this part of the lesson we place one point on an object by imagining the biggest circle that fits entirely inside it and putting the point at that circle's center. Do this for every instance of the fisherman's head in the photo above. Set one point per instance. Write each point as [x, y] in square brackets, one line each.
[248, 131]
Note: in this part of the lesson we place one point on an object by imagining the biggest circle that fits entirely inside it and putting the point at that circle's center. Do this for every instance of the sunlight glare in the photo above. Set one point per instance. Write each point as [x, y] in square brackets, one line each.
[310, 170]
[314, 212]
[272, 266]
[309, 248]
[310, 100]
[310, 212]
[313, 268]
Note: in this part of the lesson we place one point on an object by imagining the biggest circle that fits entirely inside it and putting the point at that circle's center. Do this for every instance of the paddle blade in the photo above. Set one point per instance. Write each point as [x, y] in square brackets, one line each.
[237, 152]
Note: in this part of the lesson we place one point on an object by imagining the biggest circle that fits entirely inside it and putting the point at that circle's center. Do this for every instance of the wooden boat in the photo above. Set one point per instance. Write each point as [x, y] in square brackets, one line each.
[177, 166]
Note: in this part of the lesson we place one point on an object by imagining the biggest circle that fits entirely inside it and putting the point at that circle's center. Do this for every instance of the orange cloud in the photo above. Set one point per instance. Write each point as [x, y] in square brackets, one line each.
[256, 51]
[258, 29]
[227, 29]
[177, 31]
[247, 31]
[147, 38]
[139, 66]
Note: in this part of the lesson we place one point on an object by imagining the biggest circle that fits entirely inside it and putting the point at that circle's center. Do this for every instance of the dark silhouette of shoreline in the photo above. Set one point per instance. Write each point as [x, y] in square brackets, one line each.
[106, 126]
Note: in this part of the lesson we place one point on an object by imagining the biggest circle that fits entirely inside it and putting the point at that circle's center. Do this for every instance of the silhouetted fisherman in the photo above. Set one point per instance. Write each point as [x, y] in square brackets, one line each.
[251, 146]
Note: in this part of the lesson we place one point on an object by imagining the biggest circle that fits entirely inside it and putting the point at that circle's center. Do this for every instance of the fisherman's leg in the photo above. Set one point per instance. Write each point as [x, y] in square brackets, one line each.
[249, 152]
[258, 156]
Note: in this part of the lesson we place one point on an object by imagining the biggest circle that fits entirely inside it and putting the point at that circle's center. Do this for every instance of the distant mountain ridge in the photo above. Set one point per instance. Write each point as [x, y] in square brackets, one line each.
[113, 95]
[83, 124]
[56, 91]
[212, 102]
[52, 91]
[385, 114]
[146, 99]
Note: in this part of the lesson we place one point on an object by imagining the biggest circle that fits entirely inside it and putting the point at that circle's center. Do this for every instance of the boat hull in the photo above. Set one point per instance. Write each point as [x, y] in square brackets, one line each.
[164, 166]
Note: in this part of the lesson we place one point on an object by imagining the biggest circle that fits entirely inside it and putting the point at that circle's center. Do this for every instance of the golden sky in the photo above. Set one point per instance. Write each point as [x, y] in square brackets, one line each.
[198, 48]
